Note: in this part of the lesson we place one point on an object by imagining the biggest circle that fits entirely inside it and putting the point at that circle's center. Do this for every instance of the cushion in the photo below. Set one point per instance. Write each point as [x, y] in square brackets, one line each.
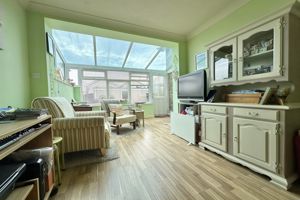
[123, 119]
[116, 108]
[64, 106]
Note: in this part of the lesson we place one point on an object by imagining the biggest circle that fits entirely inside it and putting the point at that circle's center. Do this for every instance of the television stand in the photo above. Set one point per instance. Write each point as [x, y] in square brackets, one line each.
[185, 122]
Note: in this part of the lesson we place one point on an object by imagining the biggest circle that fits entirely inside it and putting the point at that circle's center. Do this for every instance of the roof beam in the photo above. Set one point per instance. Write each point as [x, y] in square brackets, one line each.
[127, 54]
[153, 58]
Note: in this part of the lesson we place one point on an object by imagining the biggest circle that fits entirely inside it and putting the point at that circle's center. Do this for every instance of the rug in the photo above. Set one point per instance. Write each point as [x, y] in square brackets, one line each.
[82, 158]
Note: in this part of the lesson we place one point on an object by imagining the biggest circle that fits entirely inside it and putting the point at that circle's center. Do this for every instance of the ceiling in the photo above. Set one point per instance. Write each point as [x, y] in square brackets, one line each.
[177, 18]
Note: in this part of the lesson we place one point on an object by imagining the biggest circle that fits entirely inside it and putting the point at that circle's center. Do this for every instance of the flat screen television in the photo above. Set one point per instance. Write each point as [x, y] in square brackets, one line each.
[192, 86]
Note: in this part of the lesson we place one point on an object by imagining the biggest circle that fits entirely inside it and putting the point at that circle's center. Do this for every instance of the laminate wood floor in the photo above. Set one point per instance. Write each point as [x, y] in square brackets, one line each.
[154, 164]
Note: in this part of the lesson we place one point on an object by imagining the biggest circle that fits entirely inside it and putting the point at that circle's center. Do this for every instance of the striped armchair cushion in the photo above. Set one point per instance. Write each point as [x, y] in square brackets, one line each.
[47, 103]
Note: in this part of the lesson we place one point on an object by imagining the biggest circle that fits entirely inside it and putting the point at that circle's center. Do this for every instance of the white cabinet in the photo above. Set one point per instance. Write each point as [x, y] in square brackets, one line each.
[214, 130]
[257, 142]
[259, 52]
[183, 126]
[251, 55]
[259, 137]
[186, 125]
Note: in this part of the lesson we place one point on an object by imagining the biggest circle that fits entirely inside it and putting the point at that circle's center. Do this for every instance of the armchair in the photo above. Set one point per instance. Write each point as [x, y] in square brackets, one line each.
[116, 116]
[79, 130]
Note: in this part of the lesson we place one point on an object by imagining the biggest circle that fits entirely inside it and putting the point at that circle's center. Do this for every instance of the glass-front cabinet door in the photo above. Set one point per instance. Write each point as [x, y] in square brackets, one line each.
[259, 52]
[223, 62]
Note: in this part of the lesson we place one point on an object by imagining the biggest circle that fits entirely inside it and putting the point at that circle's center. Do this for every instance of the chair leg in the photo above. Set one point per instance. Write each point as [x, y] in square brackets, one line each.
[102, 151]
[134, 125]
[118, 129]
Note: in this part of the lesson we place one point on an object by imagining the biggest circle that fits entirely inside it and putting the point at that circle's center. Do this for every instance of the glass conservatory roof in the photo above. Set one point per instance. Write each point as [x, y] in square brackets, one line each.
[84, 49]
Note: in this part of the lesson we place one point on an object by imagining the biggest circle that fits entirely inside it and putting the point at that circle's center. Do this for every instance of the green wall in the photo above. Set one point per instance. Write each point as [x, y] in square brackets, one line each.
[37, 55]
[148, 110]
[250, 12]
[77, 93]
[61, 89]
[14, 69]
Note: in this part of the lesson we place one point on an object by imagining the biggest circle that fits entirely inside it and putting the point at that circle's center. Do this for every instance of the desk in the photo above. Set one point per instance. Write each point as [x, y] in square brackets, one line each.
[82, 107]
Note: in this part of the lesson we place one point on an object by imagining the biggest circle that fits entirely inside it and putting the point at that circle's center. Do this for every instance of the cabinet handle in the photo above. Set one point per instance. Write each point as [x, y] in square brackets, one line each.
[213, 110]
[253, 114]
[224, 134]
[235, 139]
[241, 59]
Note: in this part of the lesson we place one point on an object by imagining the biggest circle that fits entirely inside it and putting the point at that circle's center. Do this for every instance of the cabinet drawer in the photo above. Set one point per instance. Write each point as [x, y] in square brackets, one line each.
[257, 113]
[214, 109]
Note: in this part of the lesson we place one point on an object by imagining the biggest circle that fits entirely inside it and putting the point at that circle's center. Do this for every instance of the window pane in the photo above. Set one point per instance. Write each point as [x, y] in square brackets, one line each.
[60, 66]
[93, 74]
[111, 52]
[76, 48]
[139, 95]
[140, 55]
[160, 62]
[158, 86]
[117, 75]
[139, 77]
[73, 76]
[118, 90]
[94, 90]
[139, 83]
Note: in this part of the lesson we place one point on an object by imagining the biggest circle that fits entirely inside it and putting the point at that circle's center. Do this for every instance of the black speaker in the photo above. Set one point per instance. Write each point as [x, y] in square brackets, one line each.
[36, 168]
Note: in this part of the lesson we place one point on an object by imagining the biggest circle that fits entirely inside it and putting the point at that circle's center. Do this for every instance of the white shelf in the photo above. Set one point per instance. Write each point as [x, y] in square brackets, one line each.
[261, 54]
[20, 193]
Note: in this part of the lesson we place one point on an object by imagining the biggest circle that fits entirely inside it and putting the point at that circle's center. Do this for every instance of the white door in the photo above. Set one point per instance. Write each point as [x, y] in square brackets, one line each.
[257, 142]
[214, 130]
[160, 95]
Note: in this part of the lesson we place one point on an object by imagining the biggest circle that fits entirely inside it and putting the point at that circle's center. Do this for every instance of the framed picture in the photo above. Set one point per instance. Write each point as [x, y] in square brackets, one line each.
[50, 46]
[201, 60]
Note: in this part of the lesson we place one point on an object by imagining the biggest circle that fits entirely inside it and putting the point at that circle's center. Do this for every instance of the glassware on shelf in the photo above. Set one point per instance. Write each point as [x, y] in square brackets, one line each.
[258, 53]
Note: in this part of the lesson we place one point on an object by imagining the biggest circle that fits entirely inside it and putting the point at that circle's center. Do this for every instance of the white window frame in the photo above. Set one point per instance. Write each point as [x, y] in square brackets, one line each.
[82, 68]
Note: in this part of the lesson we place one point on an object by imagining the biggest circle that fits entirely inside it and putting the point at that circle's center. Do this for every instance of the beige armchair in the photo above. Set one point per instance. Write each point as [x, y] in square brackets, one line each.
[79, 130]
[116, 115]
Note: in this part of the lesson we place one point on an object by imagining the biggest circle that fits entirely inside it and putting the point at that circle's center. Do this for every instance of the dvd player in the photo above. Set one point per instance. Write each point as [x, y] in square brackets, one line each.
[9, 176]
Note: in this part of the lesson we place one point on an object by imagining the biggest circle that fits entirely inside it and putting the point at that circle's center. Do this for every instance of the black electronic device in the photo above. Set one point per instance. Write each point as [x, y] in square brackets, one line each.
[192, 86]
[9, 140]
[5, 142]
[211, 96]
[10, 173]
[36, 168]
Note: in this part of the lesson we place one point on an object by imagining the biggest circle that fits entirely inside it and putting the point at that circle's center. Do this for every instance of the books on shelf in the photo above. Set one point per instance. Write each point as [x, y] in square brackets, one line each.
[22, 113]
